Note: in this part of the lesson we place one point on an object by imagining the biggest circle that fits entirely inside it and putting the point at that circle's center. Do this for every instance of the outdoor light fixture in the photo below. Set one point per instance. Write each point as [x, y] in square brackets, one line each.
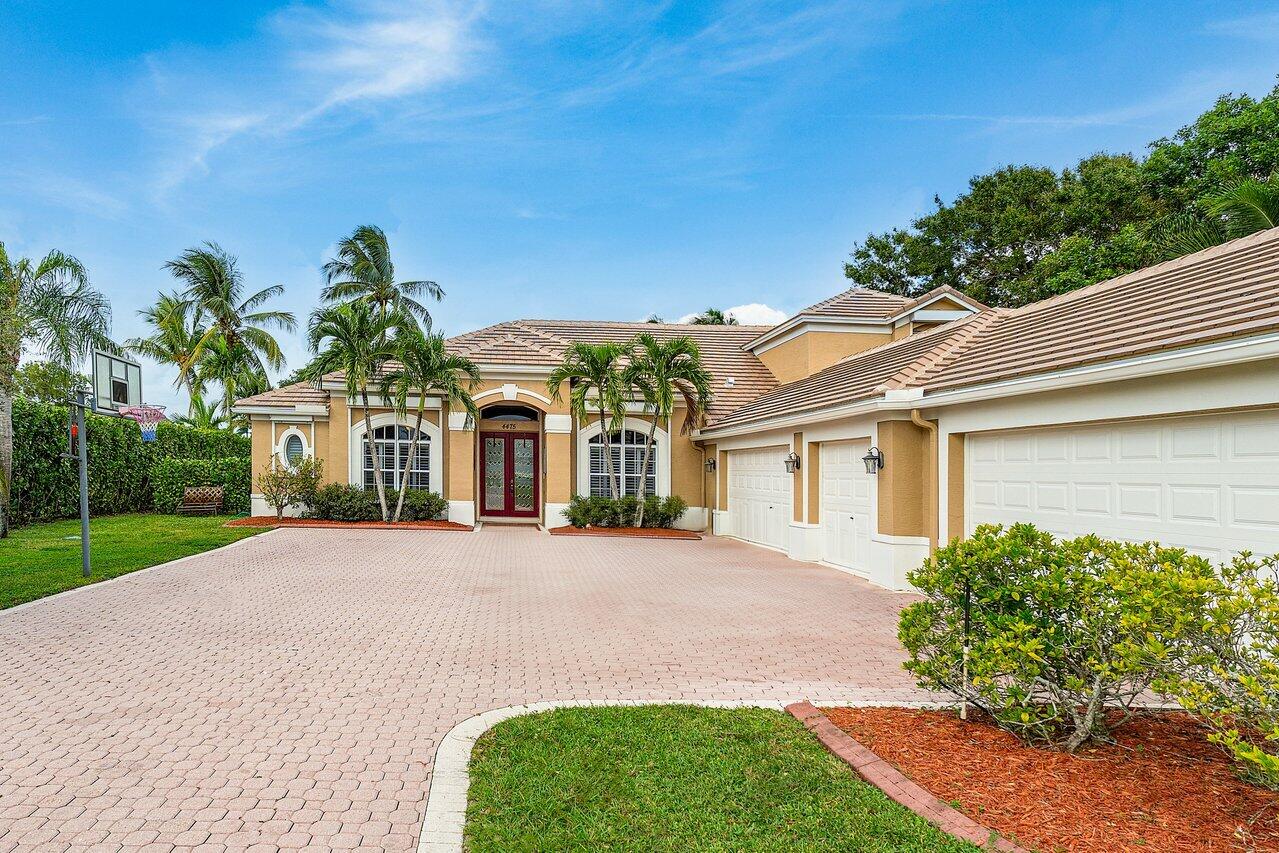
[710, 465]
[792, 462]
[874, 460]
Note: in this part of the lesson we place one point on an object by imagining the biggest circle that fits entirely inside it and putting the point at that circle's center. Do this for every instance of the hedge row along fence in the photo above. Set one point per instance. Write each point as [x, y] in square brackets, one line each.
[122, 468]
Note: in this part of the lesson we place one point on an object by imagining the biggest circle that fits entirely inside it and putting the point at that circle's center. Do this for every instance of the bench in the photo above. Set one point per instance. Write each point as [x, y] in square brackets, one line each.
[201, 500]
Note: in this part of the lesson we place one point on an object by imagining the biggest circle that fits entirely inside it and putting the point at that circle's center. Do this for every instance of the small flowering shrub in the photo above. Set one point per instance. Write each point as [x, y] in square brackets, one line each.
[1232, 684]
[1061, 632]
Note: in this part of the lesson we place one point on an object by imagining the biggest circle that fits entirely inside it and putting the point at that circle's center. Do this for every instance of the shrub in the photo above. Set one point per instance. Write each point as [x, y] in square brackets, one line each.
[1061, 632]
[1232, 684]
[596, 511]
[284, 485]
[343, 502]
[421, 505]
[170, 476]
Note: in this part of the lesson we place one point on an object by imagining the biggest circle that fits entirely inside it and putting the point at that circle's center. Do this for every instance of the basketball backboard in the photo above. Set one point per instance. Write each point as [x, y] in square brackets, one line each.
[117, 382]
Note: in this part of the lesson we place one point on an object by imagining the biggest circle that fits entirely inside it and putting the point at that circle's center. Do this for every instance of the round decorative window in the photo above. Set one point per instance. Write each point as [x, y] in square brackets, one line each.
[294, 449]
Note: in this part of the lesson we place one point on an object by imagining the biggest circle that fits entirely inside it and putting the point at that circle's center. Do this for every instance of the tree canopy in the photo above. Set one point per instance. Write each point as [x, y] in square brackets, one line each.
[1023, 233]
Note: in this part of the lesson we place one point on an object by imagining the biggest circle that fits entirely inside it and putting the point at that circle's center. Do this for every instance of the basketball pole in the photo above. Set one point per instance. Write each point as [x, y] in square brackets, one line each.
[82, 448]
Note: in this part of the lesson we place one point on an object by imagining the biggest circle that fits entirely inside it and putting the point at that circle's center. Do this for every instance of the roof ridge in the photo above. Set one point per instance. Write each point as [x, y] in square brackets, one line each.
[628, 323]
[547, 336]
[964, 338]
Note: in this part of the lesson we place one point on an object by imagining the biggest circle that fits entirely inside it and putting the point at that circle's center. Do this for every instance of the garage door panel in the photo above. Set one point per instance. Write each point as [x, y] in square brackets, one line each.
[759, 495]
[1209, 484]
[846, 505]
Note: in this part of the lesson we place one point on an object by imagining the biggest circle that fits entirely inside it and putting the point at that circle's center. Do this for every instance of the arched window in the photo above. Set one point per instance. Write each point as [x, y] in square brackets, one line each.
[294, 449]
[393, 451]
[628, 456]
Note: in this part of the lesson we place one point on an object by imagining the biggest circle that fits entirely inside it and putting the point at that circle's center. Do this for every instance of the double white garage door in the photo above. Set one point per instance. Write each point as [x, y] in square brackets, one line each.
[1209, 484]
[760, 500]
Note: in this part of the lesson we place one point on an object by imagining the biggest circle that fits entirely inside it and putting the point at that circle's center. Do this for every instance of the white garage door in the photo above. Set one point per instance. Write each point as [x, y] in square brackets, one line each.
[1209, 484]
[845, 505]
[759, 495]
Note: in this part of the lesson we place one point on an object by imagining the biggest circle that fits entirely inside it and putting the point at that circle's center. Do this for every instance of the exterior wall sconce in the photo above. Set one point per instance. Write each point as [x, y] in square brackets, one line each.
[710, 465]
[792, 462]
[874, 460]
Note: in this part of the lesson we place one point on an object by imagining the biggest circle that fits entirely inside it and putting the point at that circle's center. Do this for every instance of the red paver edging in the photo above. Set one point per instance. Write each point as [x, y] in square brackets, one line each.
[631, 532]
[272, 521]
[892, 782]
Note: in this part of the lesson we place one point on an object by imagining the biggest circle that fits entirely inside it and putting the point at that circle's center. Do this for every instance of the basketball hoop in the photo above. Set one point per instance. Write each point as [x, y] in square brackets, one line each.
[147, 417]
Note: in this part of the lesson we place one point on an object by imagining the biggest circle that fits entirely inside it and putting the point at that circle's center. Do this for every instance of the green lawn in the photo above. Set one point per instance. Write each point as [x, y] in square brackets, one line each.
[672, 777]
[40, 560]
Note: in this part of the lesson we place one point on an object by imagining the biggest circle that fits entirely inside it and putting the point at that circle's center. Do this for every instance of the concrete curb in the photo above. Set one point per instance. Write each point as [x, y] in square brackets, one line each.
[444, 822]
[127, 575]
[897, 786]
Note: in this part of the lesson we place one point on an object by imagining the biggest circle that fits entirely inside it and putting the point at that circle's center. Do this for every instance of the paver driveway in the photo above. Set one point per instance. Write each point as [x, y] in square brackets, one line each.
[290, 690]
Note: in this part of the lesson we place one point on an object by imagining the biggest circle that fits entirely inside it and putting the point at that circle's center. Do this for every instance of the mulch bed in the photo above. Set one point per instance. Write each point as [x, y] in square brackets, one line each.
[272, 521]
[1161, 787]
[635, 532]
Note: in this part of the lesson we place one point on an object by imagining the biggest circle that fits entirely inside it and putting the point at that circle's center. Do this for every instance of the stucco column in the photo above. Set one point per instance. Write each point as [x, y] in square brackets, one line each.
[559, 475]
[461, 469]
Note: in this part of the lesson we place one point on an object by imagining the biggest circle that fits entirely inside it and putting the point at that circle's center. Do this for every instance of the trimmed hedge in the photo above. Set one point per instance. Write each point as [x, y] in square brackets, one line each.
[596, 511]
[45, 485]
[342, 502]
[170, 476]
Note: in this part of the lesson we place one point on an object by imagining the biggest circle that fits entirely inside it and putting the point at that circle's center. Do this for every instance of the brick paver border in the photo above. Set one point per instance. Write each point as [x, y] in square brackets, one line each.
[444, 823]
[895, 784]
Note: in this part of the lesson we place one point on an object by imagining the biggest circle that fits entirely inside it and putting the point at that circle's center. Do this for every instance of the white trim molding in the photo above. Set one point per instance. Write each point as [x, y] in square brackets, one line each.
[661, 454]
[561, 424]
[511, 391]
[281, 456]
[355, 449]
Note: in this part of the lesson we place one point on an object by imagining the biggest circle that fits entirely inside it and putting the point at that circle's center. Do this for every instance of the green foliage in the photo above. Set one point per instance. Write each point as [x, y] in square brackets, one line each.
[1022, 233]
[170, 476]
[597, 511]
[343, 502]
[1062, 631]
[1232, 683]
[48, 382]
[283, 485]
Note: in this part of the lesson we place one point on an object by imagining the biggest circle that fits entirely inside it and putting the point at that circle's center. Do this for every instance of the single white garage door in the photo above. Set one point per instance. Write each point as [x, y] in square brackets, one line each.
[759, 495]
[1209, 484]
[845, 505]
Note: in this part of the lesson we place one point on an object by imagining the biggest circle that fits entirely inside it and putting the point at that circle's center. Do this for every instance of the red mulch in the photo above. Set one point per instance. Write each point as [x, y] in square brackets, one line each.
[637, 532]
[1162, 787]
[272, 521]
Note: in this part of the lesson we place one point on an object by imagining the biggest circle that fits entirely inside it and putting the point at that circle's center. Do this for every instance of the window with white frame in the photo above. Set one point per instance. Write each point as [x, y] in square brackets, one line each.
[627, 449]
[392, 443]
[294, 449]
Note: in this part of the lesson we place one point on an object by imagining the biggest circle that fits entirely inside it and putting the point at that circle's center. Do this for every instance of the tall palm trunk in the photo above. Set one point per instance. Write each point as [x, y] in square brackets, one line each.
[408, 464]
[613, 480]
[643, 482]
[6, 458]
[377, 462]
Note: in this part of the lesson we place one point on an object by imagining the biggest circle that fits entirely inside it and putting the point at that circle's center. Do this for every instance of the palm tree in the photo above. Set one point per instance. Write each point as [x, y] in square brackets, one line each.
[713, 317]
[424, 367]
[202, 415]
[50, 306]
[594, 368]
[178, 325]
[660, 370]
[1234, 210]
[236, 368]
[354, 338]
[215, 286]
[363, 270]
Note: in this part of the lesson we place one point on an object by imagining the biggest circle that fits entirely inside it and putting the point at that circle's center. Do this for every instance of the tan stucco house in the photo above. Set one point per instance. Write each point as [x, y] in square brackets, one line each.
[867, 428]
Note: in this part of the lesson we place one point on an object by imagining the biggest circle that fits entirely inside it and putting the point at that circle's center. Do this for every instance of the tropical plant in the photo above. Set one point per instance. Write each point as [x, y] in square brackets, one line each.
[363, 270]
[283, 485]
[422, 368]
[594, 369]
[1235, 209]
[1057, 640]
[237, 370]
[177, 337]
[236, 324]
[661, 371]
[354, 338]
[48, 382]
[49, 306]
[713, 317]
[202, 415]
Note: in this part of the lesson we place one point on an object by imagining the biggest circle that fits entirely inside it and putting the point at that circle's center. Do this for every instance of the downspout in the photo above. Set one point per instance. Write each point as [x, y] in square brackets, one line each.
[933, 502]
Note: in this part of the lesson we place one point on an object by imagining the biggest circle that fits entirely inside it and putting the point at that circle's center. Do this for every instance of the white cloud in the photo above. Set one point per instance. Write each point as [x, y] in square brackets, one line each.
[1261, 27]
[750, 314]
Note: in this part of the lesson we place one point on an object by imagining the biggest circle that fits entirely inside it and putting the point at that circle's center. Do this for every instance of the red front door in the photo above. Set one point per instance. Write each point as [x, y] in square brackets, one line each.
[509, 474]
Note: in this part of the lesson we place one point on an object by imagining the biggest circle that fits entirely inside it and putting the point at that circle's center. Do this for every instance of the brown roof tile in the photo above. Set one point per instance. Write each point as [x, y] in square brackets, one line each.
[287, 396]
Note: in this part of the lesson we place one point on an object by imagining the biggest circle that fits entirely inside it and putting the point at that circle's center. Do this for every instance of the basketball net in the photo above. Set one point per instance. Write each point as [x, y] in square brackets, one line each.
[147, 417]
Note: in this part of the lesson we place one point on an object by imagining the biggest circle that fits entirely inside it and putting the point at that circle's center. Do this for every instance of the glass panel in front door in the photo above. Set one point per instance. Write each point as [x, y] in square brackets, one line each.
[523, 475]
[494, 473]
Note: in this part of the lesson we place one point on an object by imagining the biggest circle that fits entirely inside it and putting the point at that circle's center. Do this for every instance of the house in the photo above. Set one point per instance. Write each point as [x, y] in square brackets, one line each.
[866, 429]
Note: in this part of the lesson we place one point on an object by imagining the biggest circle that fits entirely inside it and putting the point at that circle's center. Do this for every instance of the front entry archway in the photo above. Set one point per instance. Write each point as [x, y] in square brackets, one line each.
[510, 462]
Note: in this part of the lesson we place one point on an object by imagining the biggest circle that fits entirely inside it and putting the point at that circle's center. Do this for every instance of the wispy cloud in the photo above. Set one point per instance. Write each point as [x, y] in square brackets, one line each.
[1262, 27]
[199, 136]
[65, 191]
[24, 121]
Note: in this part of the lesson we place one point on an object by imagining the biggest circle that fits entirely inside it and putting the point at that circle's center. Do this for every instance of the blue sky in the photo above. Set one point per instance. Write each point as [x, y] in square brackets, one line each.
[549, 158]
